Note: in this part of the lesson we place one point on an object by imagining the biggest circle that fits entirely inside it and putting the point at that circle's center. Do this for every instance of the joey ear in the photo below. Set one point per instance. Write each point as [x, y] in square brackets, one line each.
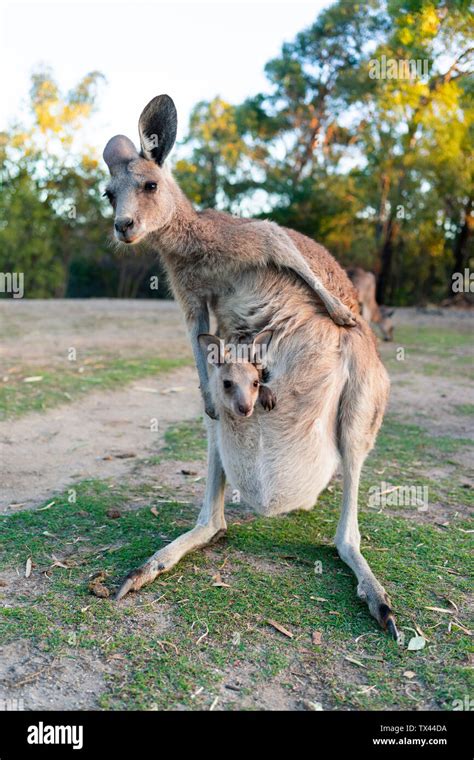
[157, 126]
[119, 150]
[213, 348]
[260, 345]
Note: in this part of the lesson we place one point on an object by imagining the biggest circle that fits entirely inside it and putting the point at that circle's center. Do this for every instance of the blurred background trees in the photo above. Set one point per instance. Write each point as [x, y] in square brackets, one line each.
[54, 224]
[375, 164]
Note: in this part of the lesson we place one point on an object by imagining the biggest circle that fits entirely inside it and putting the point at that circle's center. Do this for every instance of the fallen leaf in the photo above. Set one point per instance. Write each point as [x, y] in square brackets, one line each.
[58, 563]
[2, 582]
[355, 662]
[415, 643]
[316, 637]
[409, 674]
[315, 706]
[33, 379]
[218, 582]
[48, 506]
[421, 633]
[440, 609]
[28, 568]
[154, 511]
[459, 625]
[280, 628]
[188, 472]
[113, 514]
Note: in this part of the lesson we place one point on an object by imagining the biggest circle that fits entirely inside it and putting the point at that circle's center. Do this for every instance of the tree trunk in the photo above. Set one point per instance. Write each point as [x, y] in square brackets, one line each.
[460, 251]
[385, 258]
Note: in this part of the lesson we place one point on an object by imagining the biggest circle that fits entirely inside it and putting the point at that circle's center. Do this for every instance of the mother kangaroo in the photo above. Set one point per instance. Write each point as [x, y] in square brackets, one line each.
[322, 362]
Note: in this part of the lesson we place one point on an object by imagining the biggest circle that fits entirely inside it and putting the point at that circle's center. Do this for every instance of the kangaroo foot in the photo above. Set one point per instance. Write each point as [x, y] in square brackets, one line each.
[379, 605]
[168, 557]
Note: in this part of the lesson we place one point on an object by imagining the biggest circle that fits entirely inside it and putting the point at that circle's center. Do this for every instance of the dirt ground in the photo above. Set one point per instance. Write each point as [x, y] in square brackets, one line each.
[106, 435]
[102, 434]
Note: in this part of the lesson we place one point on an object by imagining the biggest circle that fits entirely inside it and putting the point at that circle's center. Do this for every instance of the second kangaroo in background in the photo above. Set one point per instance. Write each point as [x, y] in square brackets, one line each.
[364, 283]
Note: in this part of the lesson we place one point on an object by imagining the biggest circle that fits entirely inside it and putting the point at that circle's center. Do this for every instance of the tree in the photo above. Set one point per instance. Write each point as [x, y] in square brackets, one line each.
[379, 168]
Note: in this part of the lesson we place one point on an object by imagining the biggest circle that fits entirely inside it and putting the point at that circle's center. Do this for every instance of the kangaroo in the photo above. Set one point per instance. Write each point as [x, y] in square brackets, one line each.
[330, 385]
[365, 285]
[237, 386]
[203, 252]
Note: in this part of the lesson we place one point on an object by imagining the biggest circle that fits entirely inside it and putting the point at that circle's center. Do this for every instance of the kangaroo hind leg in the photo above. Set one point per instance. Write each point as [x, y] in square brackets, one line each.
[210, 526]
[360, 415]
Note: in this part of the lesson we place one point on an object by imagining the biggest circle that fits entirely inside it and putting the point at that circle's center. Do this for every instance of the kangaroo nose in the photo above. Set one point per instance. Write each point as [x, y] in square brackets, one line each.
[123, 224]
[244, 408]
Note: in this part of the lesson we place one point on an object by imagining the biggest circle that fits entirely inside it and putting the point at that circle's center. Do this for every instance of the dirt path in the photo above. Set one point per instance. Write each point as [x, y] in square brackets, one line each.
[102, 434]
[97, 437]
[108, 435]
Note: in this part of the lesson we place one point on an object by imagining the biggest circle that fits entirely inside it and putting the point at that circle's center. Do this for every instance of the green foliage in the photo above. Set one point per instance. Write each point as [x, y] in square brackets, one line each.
[376, 166]
[362, 140]
[54, 223]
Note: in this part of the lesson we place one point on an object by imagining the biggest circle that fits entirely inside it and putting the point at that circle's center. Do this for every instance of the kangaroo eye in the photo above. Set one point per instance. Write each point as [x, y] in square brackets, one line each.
[110, 196]
[255, 383]
[227, 384]
[150, 187]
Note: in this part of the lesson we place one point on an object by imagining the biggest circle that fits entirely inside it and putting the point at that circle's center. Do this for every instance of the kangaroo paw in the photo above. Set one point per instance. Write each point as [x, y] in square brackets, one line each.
[343, 316]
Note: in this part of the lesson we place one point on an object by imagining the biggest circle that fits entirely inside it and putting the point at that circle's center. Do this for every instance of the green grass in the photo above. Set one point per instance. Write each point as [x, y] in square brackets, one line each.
[464, 409]
[269, 566]
[183, 634]
[186, 441]
[431, 351]
[433, 340]
[65, 383]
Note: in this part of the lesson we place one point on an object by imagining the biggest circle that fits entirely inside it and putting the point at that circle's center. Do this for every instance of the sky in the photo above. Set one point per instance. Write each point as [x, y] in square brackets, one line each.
[190, 50]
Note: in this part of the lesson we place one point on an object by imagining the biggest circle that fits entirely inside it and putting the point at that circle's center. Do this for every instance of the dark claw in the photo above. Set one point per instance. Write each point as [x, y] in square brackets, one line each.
[388, 621]
[392, 629]
[126, 586]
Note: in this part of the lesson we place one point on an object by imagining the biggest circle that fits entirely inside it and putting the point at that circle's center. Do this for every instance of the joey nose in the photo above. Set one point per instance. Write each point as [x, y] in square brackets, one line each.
[123, 224]
[244, 408]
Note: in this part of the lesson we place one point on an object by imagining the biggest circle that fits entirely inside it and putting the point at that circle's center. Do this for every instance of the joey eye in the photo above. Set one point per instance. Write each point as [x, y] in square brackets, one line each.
[110, 196]
[255, 383]
[150, 187]
[227, 384]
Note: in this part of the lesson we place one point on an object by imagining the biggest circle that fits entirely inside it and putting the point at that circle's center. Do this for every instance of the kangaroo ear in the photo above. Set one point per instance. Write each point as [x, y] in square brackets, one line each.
[119, 150]
[213, 347]
[157, 127]
[260, 345]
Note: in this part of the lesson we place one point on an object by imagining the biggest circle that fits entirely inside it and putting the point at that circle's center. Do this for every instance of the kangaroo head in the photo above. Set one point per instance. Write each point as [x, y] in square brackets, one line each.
[235, 382]
[141, 189]
[386, 323]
